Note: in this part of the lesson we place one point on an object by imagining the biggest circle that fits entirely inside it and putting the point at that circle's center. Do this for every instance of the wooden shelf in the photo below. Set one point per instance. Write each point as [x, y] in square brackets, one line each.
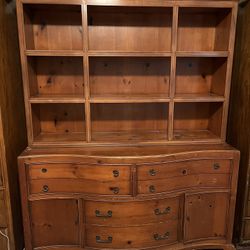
[198, 98]
[44, 138]
[129, 54]
[129, 136]
[126, 71]
[129, 99]
[195, 135]
[57, 99]
[202, 53]
[79, 53]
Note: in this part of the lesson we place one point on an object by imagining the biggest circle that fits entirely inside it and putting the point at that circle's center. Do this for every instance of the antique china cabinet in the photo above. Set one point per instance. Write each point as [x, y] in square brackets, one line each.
[126, 107]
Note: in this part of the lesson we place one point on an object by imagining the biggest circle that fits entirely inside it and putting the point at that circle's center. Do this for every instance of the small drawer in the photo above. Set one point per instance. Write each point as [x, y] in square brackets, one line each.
[79, 171]
[131, 213]
[184, 182]
[132, 237]
[79, 186]
[78, 178]
[183, 168]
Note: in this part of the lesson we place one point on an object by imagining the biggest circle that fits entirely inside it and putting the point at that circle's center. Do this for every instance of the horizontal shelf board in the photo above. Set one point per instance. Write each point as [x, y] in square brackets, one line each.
[198, 98]
[128, 99]
[54, 53]
[166, 3]
[60, 137]
[194, 135]
[57, 99]
[128, 54]
[129, 136]
[202, 53]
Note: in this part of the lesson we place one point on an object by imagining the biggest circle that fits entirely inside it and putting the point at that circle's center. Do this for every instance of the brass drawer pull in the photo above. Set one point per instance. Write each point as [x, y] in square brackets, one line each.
[151, 189]
[98, 214]
[216, 166]
[161, 237]
[99, 240]
[115, 190]
[159, 212]
[116, 173]
[45, 188]
[152, 172]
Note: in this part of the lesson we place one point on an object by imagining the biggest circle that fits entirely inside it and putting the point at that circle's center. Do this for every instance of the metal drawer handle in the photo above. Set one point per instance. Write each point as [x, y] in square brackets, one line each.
[152, 189]
[216, 166]
[152, 172]
[115, 190]
[116, 173]
[159, 212]
[45, 188]
[99, 240]
[161, 237]
[98, 214]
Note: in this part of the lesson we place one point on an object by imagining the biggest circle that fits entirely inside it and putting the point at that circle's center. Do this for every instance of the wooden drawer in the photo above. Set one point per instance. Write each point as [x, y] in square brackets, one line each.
[79, 186]
[181, 175]
[131, 213]
[184, 182]
[79, 171]
[75, 178]
[178, 169]
[132, 237]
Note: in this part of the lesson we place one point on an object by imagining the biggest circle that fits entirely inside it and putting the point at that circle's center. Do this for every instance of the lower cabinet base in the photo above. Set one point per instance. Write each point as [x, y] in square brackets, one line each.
[181, 201]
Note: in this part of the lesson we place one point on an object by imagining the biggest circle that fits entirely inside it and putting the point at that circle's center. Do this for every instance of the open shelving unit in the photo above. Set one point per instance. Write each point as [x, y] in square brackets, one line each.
[123, 73]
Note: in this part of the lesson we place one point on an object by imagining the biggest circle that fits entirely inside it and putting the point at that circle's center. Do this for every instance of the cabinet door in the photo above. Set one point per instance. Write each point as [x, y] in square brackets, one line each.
[205, 215]
[55, 222]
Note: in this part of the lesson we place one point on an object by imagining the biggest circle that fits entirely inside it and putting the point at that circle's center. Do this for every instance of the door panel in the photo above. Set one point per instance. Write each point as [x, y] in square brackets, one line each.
[205, 215]
[55, 222]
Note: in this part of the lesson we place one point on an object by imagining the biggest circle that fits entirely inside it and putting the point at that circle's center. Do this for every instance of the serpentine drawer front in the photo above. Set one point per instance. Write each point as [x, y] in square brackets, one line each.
[132, 237]
[132, 213]
[173, 201]
[78, 178]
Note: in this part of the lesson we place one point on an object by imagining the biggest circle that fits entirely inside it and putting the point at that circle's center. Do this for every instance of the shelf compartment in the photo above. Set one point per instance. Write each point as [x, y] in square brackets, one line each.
[199, 77]
[53, 27]
[125, 28]
[204, 29]
[58, 122]
[129, 77]
[197, 121]
[56, 77]
[140, 122]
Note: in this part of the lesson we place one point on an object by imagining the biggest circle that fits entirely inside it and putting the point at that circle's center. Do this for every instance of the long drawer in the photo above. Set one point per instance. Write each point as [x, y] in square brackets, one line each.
[188, 167]
[132, 237]
[131, 213]
[182, 175]
[76, 178]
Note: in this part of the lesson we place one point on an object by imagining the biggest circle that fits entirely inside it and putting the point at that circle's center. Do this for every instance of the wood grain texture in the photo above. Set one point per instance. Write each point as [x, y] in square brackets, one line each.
[181, 52]
[12, 127]
[129, 216]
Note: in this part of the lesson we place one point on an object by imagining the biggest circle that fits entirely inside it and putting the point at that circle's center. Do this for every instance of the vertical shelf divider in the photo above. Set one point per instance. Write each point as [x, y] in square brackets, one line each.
[229, 71]
[86, 72]
[173, 73]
